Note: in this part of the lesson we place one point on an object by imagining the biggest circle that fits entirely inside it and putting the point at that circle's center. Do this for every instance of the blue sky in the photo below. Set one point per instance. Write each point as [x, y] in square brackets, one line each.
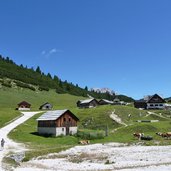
[124, 45]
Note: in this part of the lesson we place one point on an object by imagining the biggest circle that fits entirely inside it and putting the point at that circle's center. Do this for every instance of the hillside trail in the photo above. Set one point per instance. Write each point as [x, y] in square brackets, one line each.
[152, 113]
[117, 119]
[11, 146]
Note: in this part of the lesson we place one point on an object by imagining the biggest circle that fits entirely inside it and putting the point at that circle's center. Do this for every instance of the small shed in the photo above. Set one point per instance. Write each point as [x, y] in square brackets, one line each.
[141, 104]
[105, 102]
[88, 103]
[24, 106]
[46, 106]
[58, 122]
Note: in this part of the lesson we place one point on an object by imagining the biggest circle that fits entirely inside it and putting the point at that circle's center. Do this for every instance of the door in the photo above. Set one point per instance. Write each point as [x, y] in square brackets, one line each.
[67, 130]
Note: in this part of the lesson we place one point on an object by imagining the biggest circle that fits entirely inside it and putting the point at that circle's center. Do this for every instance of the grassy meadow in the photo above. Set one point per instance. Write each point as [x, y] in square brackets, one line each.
[90, 120]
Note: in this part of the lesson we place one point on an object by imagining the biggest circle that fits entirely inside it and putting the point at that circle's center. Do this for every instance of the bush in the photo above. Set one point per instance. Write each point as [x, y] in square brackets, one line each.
[43, 88]
[7, 84]
[21, 84]
[90, 135]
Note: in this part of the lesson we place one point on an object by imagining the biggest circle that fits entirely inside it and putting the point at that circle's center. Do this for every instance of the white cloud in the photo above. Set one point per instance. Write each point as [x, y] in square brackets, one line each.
[52, 51]
[49, 53]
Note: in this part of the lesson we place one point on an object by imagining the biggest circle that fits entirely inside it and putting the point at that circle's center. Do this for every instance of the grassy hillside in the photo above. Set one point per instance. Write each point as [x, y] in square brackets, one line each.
[90, 120]
[96, 118]
[10, 97]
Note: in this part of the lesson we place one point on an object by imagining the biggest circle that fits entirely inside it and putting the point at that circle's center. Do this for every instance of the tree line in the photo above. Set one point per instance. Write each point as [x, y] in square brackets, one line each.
[9, 69]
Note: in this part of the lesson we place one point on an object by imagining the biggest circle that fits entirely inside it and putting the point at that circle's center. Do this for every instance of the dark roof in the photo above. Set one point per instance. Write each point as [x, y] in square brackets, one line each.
[24, 103]
[149, 98]
[155, 95]
[106, 101]
[141, 101]
[45, 104]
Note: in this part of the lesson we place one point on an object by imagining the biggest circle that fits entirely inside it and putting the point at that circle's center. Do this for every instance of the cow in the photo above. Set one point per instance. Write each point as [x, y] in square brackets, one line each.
[138, 135]
[164, 134]
[84, 142]
[148, 138]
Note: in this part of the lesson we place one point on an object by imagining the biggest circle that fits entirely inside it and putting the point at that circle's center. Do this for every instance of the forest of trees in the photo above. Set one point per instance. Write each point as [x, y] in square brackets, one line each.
[10, 69]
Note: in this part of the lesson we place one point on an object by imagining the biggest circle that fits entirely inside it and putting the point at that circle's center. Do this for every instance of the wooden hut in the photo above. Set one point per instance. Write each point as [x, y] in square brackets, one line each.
[23, 106]
[105, 102]
[88, 103]
[46, 106]
[58, 122]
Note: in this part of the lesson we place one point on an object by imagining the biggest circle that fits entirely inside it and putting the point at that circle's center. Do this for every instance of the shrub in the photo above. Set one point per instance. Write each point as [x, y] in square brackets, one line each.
[7, 84]
[43, 88]
[21, 84]
[90, 135]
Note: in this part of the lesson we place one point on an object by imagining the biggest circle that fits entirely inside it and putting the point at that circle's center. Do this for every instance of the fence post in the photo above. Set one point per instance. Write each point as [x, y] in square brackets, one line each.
[106, 131]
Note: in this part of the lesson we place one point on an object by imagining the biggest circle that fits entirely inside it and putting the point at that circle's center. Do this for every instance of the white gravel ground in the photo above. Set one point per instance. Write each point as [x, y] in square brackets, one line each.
[112, 156]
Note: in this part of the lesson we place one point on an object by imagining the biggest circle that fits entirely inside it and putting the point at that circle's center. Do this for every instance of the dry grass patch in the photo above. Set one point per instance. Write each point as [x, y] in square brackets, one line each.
[88, 157]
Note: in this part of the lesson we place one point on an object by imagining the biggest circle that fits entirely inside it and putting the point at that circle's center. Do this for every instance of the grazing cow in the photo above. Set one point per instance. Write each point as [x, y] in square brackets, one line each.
[138, 135]
[148, 138]
[164, 135]
[84, 142]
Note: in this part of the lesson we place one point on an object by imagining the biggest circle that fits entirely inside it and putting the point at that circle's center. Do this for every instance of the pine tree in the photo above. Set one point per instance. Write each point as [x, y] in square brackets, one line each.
[38, 70]
[60, 84]
[86, 88]
[48, 75]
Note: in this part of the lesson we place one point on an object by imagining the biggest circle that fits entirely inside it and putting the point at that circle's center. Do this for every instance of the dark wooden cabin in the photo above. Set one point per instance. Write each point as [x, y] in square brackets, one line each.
[156, 102]
[89, 103]
[151, 102]
[23, 106]
[105, 102]
[141, 104]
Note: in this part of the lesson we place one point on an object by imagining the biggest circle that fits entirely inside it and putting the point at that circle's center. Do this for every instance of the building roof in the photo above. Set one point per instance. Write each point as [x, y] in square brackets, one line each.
[45, 104]
[85, 101]
[54, 115]
[107, 101]
[154, 96]
[116, 100]
[24, 103]
[141, 101]
[147, 99]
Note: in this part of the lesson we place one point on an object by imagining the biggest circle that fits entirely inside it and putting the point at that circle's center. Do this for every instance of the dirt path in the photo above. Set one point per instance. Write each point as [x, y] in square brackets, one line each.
[152, 113]
[11, 146]
[117, 119]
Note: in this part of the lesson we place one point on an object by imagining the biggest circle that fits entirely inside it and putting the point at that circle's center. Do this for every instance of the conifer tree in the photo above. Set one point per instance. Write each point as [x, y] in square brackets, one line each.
[38, 70]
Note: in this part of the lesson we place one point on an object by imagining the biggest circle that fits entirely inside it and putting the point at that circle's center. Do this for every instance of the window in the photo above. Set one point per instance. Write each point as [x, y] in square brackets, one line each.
[46, 124]
[161, 104]
[151, 104]
[69, 119]
[156, 104]
[64, 119]
[63, 129]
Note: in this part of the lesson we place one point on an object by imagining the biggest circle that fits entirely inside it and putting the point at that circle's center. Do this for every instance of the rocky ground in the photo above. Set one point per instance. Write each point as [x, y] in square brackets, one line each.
[104, 157]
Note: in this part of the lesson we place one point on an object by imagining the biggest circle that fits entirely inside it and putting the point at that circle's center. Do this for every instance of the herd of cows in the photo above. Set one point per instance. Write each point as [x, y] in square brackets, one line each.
[141, 136]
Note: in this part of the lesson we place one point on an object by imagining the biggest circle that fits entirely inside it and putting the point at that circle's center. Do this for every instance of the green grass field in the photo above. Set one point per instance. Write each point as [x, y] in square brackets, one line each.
[90, 119]
[10, 97]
